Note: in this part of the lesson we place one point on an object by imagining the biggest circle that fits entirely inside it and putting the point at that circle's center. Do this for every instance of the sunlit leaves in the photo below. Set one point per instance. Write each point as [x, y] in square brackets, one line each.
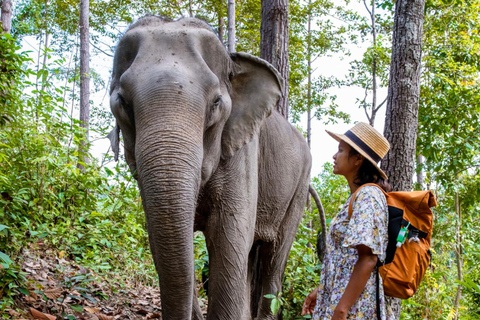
[449, 114]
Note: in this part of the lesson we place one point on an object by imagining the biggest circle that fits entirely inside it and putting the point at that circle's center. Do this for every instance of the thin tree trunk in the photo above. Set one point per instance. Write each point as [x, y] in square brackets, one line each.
[37, 80]
[45, 59]
[274, 43]
[309, 98]
[190, 8]
[309, 79]
[6, 17]
[84, 73]
[221, 25]
[374, 67]
[45, 53]
[231, 26]
[420, 181]
[403, 93]
[458, 253]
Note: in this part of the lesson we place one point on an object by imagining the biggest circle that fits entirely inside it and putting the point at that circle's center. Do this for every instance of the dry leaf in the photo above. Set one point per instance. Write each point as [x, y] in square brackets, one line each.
[53, 293]
[61, 254]
[92, 310]
[143, 302]
[31, 271]
[14, 313]
[104, 317]
[41, 316]
[33, 294]
[50, 317]
[141, 311]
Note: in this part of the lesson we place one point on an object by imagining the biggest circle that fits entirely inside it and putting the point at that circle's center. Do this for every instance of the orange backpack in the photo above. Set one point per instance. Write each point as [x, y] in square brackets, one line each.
[405, 266]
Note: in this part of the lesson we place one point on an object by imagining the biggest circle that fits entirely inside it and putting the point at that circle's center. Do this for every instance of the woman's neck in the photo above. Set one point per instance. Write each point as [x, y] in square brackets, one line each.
[351, 181]
[353, 186]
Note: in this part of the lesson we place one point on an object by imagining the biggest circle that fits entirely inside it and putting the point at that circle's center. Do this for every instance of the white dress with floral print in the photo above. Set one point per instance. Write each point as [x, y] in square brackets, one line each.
[367, 226]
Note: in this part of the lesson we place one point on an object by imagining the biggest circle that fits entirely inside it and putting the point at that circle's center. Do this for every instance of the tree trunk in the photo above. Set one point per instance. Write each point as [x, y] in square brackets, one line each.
[221, 25]
[45, 54]
[309, 99]
[420, 179]
[374, 65]
[403, 93]
[458, 253]
[84, 72]
[274, 43]
[6, 17]
[309, 78]
[231, 25]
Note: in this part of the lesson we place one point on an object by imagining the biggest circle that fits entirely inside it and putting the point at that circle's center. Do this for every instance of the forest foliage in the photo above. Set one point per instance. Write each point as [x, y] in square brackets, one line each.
[95, 216]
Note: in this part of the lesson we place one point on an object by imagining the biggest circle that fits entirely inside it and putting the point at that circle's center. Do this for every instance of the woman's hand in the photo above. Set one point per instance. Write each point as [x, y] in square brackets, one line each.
[339, 314]
[310, 302]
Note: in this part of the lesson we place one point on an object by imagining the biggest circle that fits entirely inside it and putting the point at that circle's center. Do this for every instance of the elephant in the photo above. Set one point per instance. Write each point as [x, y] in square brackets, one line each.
[210, 153]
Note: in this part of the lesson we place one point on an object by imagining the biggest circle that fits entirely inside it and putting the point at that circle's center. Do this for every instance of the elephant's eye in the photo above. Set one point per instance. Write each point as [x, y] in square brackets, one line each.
[217, 102]
[121, 99]
[213, 113]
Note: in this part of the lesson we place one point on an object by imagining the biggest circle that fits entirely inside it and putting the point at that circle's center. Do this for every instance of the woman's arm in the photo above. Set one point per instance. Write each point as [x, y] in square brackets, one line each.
[361, 273]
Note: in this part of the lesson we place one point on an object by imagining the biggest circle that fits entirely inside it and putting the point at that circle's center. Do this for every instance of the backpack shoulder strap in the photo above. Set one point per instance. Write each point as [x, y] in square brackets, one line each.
[354, 196]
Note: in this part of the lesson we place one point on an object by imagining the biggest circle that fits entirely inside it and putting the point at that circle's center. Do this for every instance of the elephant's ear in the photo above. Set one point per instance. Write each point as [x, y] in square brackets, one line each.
[125, 123]
[256, 88]
[114, 137]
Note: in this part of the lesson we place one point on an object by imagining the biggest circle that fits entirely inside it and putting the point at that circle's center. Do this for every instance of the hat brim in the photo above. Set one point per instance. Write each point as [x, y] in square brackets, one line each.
[342, 137]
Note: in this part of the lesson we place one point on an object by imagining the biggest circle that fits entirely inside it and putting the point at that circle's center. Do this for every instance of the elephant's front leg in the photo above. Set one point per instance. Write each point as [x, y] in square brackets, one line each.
[229, 233]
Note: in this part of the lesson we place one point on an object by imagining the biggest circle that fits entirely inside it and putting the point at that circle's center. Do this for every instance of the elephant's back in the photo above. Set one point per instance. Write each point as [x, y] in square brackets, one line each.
[284, 173]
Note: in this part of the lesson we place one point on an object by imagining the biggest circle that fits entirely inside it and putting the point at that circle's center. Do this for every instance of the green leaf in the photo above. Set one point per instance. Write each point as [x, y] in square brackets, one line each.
[5, 258]
[24, 291]
[76, 307]
[275, 305]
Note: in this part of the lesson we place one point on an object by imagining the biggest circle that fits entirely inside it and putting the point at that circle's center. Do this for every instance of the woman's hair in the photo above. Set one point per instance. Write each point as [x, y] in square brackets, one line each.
[367, 173]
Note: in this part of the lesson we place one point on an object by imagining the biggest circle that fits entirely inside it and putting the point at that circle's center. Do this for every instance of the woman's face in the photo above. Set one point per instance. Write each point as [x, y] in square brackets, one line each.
[345, 164]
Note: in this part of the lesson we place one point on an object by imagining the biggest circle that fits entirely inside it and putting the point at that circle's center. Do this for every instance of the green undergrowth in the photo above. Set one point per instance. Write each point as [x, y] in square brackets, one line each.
[91, 215]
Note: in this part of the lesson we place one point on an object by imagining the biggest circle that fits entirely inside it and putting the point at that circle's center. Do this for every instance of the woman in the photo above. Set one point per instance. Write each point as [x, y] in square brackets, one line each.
[348, 282]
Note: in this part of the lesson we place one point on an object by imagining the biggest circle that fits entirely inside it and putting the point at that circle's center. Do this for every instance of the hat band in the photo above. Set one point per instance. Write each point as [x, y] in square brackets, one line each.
[369, 151]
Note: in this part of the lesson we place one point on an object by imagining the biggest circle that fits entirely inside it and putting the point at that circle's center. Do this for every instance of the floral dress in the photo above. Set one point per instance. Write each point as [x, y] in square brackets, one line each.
[367, 226]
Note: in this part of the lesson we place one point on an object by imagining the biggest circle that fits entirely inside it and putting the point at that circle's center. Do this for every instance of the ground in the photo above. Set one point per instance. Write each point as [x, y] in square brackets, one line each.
[59, 288]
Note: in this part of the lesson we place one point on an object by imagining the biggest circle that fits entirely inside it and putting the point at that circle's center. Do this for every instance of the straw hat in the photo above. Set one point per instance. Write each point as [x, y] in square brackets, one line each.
[367, 141]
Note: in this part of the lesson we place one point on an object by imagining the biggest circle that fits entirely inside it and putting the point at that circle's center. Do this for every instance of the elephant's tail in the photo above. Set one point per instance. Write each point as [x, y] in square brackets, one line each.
[322, 234]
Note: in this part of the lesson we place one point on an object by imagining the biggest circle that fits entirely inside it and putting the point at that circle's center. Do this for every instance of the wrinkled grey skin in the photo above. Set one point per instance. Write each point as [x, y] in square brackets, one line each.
[209, 154]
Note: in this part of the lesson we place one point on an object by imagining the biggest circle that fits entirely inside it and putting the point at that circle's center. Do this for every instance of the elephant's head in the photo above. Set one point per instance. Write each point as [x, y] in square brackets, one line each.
[182, 103]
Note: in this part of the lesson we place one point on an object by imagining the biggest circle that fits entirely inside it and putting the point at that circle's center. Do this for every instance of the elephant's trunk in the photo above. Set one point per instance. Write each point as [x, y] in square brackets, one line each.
[169, 157]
